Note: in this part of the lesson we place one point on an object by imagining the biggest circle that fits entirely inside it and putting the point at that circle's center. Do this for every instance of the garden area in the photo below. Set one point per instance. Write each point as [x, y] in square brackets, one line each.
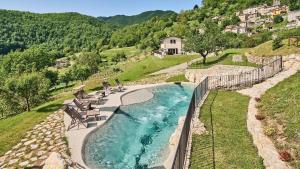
[280, 107]
[233, 147]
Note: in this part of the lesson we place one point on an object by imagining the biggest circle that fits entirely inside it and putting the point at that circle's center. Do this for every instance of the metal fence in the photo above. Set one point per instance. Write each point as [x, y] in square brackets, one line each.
[199, 93]
[246, 79]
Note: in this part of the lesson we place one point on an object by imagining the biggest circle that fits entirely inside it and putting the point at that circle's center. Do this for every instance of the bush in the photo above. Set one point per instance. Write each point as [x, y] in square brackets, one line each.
[269, 131]
[260, 117]
[278, 19]
[285, 155]
[277, 43]
[119, 57]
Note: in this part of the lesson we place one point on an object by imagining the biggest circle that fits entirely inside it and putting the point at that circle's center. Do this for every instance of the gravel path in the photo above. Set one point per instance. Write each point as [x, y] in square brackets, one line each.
[266, 148]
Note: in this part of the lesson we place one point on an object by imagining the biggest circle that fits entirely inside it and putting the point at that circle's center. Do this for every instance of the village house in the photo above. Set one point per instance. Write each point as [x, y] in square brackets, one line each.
[236, 29]
[170, 46]
[62, 63]
[293, 19]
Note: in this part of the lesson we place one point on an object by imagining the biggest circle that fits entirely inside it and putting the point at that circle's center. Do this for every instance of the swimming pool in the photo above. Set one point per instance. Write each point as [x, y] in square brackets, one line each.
[138, 135]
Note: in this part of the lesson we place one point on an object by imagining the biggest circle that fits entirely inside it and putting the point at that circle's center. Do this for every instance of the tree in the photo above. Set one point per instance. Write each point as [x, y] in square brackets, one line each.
[30, 60]
[207, 42]
[52, 76]
[65, 78]
[31, 87]
[196, 7]
[278, 19]
[81, 73]
[91, 60]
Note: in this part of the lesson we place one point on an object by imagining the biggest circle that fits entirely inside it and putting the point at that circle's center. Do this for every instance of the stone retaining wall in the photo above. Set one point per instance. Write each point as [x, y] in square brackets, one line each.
[260, 60]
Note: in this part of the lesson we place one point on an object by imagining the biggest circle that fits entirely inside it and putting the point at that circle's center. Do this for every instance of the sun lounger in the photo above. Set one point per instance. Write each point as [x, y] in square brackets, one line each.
[83, 97]
[76, 117]
[82, 106]
[79, 117]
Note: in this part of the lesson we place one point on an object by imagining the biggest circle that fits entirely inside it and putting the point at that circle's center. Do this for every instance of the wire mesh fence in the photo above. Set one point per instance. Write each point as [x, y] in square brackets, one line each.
[246, 79]
[198, 95]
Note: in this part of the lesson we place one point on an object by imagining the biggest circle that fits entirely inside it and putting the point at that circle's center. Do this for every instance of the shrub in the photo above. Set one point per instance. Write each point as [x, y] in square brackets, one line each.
[277, 43]
[269, 131]
[260, 117]
[257, 99]
[285, 155]
[278, 19]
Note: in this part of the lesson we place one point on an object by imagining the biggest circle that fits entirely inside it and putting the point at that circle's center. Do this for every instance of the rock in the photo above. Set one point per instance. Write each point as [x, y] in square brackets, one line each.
[237, 58]
[29, 155]
[20, 154]
[34, 146]
[50, 147]
[13, 161]
[2, 159]
[43, 157]
[55, 161]
[17, 146]
[33, 159]
[40, 153]
[9, 152]
[24, 164]
[24, 140]
[47, 139]
[48, 132]
[29, 142]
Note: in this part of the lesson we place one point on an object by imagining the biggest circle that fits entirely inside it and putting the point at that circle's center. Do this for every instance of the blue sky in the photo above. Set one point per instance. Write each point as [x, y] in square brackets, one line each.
[97, 7]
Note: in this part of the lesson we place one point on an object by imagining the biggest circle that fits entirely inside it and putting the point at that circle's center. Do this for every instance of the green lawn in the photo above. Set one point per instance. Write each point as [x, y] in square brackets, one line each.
[233, 143]
[281, 106]
[129, 52]
[13, 129]
[137, 70]
[225, 58]
[177, 78]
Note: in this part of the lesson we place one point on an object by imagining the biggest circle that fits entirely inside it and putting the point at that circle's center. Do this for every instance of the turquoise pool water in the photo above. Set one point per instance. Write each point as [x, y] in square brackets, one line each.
[138, 135]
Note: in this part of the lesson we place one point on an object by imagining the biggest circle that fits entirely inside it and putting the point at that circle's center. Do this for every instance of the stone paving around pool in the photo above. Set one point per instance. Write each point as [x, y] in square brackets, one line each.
[37, 145]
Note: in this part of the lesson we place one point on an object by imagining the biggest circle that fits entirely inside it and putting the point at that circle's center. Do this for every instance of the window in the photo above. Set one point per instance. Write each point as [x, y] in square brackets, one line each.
[173, 41]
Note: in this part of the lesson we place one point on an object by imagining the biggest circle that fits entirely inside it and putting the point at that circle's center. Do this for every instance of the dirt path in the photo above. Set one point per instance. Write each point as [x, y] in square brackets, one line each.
[266, 148]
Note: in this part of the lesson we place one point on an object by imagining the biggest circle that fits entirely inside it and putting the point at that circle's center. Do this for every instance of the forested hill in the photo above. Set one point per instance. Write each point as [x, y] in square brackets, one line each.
[228, 6]
[123, 20]
[60, 31]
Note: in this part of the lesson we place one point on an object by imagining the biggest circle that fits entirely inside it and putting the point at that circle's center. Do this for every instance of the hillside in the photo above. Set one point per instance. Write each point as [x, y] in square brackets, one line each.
[69, 32]
[123, 20]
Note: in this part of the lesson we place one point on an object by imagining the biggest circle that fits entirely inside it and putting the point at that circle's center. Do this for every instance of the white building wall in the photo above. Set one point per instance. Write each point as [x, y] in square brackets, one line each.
[166, 44]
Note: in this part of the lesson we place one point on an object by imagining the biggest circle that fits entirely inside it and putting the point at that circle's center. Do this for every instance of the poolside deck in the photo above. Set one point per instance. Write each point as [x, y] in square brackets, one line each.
[76, 136]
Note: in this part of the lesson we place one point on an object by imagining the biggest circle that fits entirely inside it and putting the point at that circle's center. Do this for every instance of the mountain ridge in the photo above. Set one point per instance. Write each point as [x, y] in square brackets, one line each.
[126, 20]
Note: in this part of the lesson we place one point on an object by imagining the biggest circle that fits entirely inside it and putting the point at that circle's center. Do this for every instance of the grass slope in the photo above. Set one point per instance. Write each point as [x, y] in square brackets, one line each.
[281, 105]
[137, 70]
[233, 144]
[265, 49]
[128, 51]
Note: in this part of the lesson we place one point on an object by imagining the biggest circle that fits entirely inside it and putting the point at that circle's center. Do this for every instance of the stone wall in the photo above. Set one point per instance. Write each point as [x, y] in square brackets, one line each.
[260, 60]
